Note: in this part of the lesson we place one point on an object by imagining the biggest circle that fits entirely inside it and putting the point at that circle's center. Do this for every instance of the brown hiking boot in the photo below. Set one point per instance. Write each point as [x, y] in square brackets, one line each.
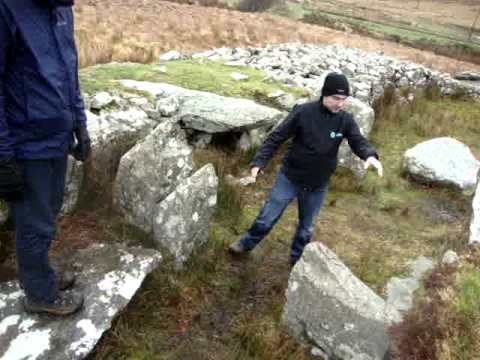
[236, 248]
[68, 302]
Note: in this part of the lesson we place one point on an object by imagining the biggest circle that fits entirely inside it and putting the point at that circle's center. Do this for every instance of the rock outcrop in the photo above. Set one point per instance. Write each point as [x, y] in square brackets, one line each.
[108, 275]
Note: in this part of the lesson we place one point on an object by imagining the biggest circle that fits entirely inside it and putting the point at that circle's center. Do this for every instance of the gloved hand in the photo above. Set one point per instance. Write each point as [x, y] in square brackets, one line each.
[82, 148]
[11, 180]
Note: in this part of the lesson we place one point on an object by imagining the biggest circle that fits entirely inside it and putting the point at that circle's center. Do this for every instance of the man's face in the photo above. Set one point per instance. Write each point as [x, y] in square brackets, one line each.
[334, 103]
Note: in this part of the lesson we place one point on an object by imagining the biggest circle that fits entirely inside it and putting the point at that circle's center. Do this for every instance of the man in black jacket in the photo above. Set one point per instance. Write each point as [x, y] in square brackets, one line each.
[317, 129]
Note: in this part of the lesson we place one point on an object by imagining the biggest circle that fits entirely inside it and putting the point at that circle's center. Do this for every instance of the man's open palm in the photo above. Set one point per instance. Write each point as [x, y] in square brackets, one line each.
[372, 161]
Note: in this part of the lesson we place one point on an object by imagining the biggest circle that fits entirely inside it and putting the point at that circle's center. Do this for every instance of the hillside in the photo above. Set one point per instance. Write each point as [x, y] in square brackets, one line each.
[129, 30]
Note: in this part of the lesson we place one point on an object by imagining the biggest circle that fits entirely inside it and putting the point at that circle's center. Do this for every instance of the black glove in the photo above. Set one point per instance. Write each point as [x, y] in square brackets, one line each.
[82, 148]
[11, 180]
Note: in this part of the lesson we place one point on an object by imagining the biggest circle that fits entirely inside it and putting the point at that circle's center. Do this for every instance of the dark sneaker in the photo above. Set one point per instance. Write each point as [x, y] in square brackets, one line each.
[236, 248]
[66, 280]
[68, 302]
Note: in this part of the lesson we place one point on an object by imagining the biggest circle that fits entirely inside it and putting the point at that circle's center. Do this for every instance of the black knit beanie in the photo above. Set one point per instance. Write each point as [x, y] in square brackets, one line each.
[335, 84]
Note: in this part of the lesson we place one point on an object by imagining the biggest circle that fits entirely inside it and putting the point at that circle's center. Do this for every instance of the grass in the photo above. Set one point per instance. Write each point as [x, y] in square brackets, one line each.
[441, 42]
[224, 308]
[444, 322]
[192, 74]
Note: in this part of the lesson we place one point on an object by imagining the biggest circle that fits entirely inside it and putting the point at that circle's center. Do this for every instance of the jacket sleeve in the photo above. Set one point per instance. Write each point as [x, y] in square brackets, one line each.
[277, 137]
[357, 142]
[81, 117]
[6, 146]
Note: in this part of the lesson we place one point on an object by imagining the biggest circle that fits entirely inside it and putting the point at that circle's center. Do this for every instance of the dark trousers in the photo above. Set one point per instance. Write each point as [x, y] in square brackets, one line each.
[283, 192]
[35, 225]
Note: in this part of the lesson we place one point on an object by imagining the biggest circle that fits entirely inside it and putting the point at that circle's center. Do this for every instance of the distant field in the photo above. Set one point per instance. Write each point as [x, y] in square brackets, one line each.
[451, 28]
[129, 30]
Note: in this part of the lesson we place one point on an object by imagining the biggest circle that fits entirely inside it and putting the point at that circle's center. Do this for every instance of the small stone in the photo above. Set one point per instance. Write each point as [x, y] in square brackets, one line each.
[101, 100]
[238, 76]
[171, 55]
[450, 257]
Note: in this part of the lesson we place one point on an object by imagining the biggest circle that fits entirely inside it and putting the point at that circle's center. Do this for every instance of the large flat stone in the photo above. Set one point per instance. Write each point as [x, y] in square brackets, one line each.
[209, 112]
[109, 277]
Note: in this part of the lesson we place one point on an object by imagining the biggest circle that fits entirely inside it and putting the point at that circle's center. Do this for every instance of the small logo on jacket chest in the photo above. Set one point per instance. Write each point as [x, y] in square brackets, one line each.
[334, 135]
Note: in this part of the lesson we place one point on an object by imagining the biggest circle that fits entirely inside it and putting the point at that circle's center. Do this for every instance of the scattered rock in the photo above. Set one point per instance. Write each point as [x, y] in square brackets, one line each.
[400, 291]
[468, 76]
[420, 267]
[101, 100]
[400, 296]
[167, 106]
[108, 286]
[450, 257]
[453, 163]
[171, 55]
[182, 219]
[238, 76]
[303, 65]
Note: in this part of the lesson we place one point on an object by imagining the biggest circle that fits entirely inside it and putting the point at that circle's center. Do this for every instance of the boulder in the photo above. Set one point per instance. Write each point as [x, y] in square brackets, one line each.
[150, 171]
[108, 276]
[209, 112]
[453, 164]
[364, 116]
[475, 223]
[329, 308]
[113, 134]
[182, 219]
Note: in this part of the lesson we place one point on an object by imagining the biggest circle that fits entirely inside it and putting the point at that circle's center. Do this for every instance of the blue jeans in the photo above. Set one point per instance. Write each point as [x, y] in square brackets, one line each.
[35, 225]
[283, 192]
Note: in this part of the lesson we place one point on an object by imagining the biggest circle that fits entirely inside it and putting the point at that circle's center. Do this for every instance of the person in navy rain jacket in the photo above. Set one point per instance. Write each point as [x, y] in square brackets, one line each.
[42, 119]
[317, 129]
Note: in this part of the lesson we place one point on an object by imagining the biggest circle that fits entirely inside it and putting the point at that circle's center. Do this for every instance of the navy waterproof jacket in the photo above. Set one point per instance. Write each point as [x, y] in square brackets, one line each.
[40, 99]
[316, 134]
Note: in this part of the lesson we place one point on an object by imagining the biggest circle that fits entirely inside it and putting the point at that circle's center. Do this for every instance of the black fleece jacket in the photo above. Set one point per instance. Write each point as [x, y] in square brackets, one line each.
[312, 155]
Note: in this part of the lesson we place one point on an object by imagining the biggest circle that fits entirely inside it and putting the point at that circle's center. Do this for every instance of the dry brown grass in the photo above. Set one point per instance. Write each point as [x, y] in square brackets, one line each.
[130, 30]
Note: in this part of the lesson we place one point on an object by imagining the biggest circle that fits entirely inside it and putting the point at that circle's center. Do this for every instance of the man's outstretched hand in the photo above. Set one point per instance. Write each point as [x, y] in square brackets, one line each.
[373, 161]
[255, 171]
